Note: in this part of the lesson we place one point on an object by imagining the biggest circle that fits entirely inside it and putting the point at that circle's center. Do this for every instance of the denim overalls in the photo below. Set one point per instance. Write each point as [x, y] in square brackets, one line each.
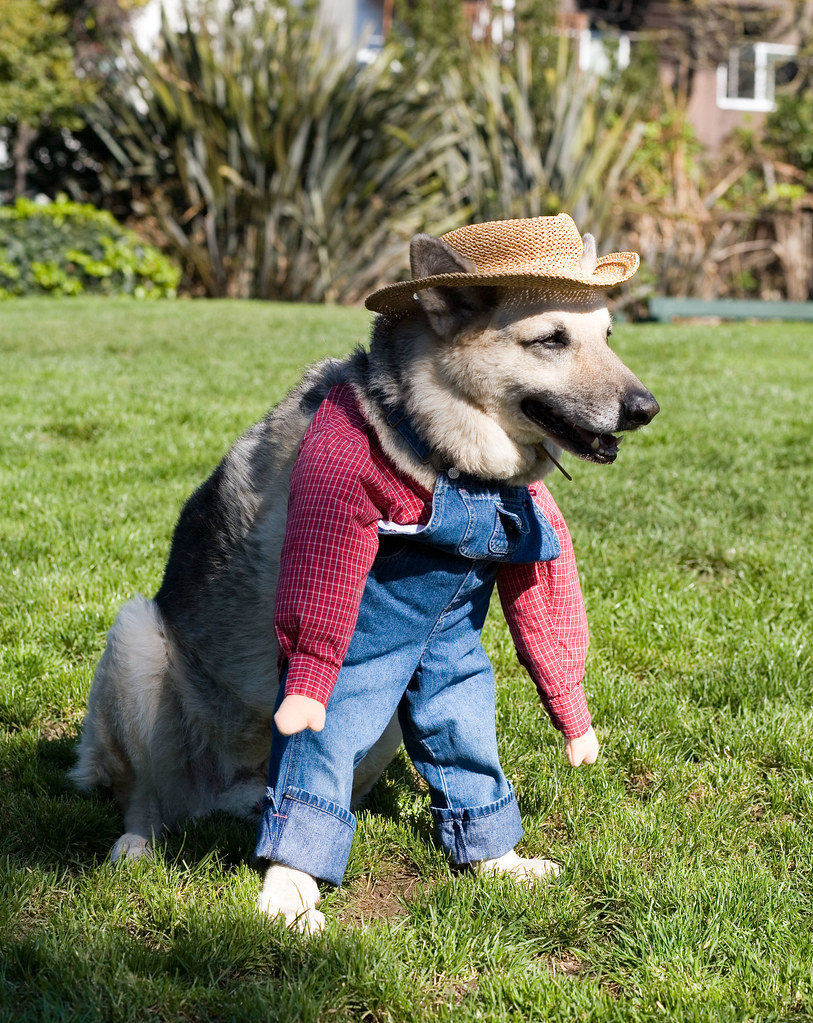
[415, 649]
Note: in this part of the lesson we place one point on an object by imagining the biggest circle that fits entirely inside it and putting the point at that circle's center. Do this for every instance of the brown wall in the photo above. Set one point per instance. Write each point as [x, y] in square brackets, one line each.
[713, 125]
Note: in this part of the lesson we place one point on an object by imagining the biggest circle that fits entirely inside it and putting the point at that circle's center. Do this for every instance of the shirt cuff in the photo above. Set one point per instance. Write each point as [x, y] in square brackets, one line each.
[306, 675]
[569, 712]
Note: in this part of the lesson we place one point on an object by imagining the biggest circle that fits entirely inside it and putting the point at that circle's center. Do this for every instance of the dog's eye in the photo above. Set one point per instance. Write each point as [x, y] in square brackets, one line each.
[557, 339]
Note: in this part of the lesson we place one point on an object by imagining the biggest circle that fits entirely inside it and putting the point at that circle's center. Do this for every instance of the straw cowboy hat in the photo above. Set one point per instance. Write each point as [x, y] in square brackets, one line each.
[517, 254]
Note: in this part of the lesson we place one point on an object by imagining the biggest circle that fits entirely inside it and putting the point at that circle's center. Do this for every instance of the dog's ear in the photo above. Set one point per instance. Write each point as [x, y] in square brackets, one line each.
[447, 309]
[429, 256]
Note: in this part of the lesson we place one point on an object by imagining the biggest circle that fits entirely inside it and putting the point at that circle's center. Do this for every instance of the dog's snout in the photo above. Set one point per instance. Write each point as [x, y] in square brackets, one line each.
[638, 409]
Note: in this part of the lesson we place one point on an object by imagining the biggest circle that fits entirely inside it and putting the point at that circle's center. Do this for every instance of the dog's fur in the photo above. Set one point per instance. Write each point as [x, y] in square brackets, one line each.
[178, 721]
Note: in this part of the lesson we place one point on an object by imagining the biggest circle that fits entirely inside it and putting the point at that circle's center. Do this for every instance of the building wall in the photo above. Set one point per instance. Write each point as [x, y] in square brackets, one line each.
[346, 21]
[713, 125]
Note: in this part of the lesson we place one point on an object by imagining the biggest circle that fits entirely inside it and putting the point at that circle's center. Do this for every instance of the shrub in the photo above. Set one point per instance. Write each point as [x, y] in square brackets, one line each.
[519, 158]
[738, 223]
[789, 131]
[276, 167]
[67, 248]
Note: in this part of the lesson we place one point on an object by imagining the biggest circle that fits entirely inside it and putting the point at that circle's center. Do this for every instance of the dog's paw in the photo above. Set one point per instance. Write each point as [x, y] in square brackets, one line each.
[131, 847]
[522, 870]
[297, 916]
[293, 895]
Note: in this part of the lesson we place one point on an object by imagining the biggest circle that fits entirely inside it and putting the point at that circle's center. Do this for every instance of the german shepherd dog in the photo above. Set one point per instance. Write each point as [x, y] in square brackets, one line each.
[498, 380]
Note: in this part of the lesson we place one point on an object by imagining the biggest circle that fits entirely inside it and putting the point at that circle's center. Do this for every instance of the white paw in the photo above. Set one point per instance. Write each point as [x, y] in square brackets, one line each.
[293, 895]
[519, 868]
[131, 847]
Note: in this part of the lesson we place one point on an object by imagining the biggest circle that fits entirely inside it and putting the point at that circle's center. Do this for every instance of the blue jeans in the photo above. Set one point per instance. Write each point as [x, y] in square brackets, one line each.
[416, 649]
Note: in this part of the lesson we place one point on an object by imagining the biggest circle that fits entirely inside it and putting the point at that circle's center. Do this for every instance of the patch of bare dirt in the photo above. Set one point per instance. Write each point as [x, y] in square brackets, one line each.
[639, 779]
[383, 898]
[570, 966]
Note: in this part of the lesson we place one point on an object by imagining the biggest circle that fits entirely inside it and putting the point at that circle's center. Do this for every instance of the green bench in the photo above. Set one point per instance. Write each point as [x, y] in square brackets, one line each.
[664, 309]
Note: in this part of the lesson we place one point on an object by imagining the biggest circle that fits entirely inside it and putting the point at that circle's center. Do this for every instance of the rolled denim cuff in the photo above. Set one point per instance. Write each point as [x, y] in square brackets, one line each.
[306, 832]
[481, 832]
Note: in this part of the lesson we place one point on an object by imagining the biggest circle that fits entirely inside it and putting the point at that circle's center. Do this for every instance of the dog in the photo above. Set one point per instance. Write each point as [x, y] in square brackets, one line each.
[501, 373]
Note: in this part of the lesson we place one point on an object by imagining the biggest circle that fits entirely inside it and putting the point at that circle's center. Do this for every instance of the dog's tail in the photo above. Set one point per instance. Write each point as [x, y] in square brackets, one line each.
[124, 698]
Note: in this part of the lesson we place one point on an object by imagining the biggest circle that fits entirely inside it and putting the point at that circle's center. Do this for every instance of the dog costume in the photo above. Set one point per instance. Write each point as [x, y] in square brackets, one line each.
[382, 596]
[384, 589]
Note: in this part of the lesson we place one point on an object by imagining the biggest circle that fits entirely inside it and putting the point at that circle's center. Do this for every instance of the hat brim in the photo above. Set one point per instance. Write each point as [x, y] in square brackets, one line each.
[611, 270]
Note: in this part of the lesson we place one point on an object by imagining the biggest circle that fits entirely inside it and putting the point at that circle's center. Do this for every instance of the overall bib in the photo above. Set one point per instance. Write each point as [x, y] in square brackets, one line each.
[416, 650]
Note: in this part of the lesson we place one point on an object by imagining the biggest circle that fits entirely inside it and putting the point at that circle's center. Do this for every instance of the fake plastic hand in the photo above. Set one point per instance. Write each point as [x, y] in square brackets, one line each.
[583, 750]
[296, 713]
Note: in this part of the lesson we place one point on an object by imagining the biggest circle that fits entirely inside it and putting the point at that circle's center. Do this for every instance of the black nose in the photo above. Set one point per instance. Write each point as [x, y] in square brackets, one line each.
[638, 409]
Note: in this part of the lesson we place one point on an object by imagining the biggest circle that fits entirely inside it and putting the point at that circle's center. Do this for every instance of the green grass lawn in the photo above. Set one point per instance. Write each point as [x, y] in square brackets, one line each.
[687, 851]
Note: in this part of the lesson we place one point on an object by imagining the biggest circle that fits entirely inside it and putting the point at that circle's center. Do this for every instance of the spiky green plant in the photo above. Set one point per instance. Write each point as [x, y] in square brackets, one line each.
[278, 167]
[520, 158]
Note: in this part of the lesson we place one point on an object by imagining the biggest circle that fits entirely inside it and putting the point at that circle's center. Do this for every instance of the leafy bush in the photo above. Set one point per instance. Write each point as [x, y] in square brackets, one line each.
[789, 131]
[736, 223]
[67, 248]
[518, 158]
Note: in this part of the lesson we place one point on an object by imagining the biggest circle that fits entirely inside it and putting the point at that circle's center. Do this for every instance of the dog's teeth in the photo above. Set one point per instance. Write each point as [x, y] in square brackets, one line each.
[596, 444]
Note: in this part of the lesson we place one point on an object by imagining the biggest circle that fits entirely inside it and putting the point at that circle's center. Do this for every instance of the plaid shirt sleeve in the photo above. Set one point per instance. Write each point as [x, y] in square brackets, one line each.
[330, 545]
[543, 606]
[341, 487]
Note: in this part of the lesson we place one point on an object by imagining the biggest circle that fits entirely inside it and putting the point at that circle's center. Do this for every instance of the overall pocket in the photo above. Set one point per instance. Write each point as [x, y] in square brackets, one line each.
[507, 533]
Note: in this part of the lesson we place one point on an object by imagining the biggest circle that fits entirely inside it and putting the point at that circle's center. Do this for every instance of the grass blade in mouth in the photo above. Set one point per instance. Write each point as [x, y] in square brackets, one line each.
[558, 465]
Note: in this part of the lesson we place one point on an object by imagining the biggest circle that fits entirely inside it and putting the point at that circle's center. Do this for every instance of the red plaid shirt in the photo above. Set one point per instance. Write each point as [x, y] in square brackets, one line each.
[342, 485]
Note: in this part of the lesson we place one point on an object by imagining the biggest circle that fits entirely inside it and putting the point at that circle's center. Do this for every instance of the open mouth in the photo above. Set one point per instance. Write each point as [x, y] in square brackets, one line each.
[592, 447]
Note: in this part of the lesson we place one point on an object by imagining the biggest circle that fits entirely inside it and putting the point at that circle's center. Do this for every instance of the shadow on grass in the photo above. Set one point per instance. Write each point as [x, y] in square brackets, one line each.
[209, 966]
[400, 795]
[51, 826]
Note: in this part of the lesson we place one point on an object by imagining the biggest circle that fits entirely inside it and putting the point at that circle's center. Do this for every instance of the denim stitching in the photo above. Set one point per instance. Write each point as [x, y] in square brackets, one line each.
[441, 774]
[321, 809]
[487, 811]
[470, 525]
[291, 762]
[475, 569]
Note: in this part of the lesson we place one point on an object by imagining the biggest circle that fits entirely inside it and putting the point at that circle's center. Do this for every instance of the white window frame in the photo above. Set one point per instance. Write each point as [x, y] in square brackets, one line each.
[764, 83]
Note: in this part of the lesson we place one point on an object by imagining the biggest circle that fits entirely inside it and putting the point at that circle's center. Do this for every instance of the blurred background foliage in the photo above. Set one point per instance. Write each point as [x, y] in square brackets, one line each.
[270, 165]
[276, 167]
